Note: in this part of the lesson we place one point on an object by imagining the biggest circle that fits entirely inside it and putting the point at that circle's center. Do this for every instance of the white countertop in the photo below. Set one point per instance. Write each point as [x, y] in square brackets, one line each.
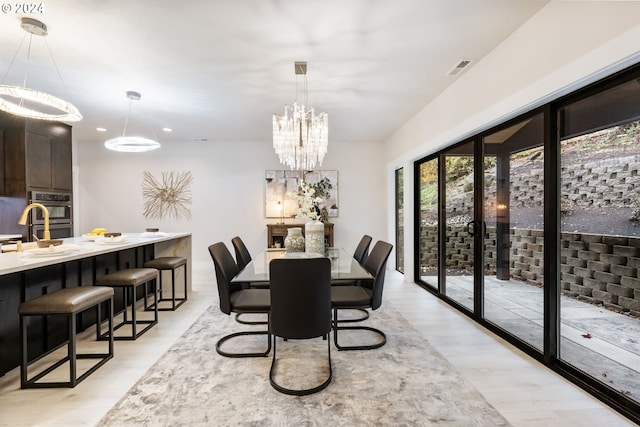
[12, 262]
[5, 237]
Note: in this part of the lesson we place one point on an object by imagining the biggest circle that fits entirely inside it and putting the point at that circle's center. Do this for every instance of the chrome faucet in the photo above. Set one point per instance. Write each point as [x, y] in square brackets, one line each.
[23, 218]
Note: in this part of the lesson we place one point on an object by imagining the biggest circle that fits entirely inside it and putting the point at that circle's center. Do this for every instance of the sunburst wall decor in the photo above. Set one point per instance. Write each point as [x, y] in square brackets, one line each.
[168, 198]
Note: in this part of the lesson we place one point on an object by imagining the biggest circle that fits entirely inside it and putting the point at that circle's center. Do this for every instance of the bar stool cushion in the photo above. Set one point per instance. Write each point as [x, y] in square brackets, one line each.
[166, 263]
[128, 277]
[66, 301]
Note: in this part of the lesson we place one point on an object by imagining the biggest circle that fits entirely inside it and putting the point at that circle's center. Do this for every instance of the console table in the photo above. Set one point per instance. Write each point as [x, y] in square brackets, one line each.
[277, 232]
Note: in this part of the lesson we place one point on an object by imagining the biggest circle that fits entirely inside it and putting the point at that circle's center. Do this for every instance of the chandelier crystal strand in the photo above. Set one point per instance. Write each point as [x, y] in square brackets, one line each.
[300, 137]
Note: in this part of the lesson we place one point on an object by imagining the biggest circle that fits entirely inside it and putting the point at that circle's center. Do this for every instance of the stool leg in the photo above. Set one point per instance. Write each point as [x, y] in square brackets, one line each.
[184, 267]
[72, 349]
[155, 302]
[173, 289]
[111, 338]
[155, 290]
[125, 294]
[98, 320]
[23, 351]
[133, 311]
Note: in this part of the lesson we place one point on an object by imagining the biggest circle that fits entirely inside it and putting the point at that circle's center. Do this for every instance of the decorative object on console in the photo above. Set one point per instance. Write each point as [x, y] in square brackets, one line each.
[281, 186]
[300, 138]
[307, 202]
[132, 144]
[30, 99]
[314, 237]
[169, 198]
[294, 242]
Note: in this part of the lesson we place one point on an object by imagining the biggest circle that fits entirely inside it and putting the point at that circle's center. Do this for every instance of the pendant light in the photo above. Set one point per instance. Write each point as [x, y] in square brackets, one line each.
[132, 144]
[300, 137]
[30, 103]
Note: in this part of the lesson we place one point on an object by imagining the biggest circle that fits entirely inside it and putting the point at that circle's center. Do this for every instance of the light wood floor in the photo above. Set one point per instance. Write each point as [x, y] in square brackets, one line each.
[524, 391]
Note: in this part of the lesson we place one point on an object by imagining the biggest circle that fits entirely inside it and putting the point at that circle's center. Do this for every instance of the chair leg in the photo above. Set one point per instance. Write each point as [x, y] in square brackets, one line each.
[298, 392]
[365, 316]
[337, 328]
[243, 333]
[249, 322]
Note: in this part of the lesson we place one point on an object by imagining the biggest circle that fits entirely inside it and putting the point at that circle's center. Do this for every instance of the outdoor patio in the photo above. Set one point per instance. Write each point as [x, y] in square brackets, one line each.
[598, 341]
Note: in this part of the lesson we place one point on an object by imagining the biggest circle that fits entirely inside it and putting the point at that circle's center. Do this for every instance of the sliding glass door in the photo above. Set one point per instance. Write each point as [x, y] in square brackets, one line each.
[427, 223]
[514, 232]
[399, 183]
[458, 215]
[600, 175]
[533, 229]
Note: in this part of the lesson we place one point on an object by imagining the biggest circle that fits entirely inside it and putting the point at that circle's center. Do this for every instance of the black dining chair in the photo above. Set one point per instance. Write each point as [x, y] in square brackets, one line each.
[300, 308]
[362, 250]
[360, 254]
[235, 299]
[366, 295]
[243, 257]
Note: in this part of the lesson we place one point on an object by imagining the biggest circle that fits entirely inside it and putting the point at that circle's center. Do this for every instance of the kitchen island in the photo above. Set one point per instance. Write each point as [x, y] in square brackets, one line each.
[78, 262]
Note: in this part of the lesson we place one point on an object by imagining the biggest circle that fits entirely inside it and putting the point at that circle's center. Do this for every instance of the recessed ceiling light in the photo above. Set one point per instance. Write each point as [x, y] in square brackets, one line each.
[101, 129]
[167, 129]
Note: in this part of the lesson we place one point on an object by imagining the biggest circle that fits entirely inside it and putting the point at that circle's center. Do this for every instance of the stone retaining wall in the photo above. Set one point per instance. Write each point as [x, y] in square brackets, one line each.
[594, 268]
[606, 183]
[602, 269]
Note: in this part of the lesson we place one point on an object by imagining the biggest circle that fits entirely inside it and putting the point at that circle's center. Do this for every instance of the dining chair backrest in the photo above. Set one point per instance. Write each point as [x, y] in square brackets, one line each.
[226, 269]
[376, 265]
[300, 297]
[362, 250]
[243, 257]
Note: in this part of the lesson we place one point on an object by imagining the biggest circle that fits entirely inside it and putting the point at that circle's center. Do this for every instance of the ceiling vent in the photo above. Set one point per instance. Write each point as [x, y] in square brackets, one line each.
[461, 65]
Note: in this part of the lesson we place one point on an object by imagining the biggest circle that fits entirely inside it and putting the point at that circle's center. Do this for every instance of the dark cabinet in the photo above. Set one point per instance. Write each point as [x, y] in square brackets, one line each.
[61, 168]
[37, 160]
[37, 155]
[10, 291]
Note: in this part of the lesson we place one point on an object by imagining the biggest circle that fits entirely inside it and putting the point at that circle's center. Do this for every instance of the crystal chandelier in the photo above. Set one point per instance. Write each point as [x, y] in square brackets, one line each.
[30, 103]
[131, 144]
[300, 137]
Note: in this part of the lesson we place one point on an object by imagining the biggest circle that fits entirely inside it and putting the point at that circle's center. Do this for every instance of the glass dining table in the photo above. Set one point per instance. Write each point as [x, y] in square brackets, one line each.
[343, 265]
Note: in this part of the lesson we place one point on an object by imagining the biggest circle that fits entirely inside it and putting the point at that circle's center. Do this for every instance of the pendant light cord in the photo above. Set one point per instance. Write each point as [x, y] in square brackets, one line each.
[126, 121]
[15, 55]
[147, 115]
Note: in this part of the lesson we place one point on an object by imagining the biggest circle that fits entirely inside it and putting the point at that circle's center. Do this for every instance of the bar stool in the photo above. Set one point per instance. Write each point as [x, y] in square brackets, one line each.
[129, 280]
[166, 264]
[66, 302]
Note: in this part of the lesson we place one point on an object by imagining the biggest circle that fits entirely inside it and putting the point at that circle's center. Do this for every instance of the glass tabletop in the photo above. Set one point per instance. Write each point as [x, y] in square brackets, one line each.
[343, 265]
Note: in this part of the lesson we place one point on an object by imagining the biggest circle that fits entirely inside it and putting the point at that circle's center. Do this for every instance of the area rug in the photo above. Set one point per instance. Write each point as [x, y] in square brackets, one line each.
[404, 383]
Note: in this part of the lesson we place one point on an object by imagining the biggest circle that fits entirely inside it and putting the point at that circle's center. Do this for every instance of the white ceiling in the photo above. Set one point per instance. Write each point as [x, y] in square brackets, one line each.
[219, 69]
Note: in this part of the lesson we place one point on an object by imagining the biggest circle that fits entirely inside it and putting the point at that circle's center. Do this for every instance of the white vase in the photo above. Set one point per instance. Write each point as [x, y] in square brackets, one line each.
[314, 237]
[294, 242]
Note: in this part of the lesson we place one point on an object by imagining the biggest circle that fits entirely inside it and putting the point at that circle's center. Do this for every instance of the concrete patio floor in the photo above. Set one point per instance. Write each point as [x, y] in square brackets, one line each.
[600, 342]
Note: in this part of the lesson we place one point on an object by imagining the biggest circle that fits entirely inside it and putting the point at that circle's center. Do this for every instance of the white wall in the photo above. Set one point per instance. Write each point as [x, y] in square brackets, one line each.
[227, 190]
[565, 46]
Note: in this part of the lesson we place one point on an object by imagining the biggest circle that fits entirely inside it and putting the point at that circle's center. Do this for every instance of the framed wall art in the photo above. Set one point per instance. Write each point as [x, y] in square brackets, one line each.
[280, 184]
